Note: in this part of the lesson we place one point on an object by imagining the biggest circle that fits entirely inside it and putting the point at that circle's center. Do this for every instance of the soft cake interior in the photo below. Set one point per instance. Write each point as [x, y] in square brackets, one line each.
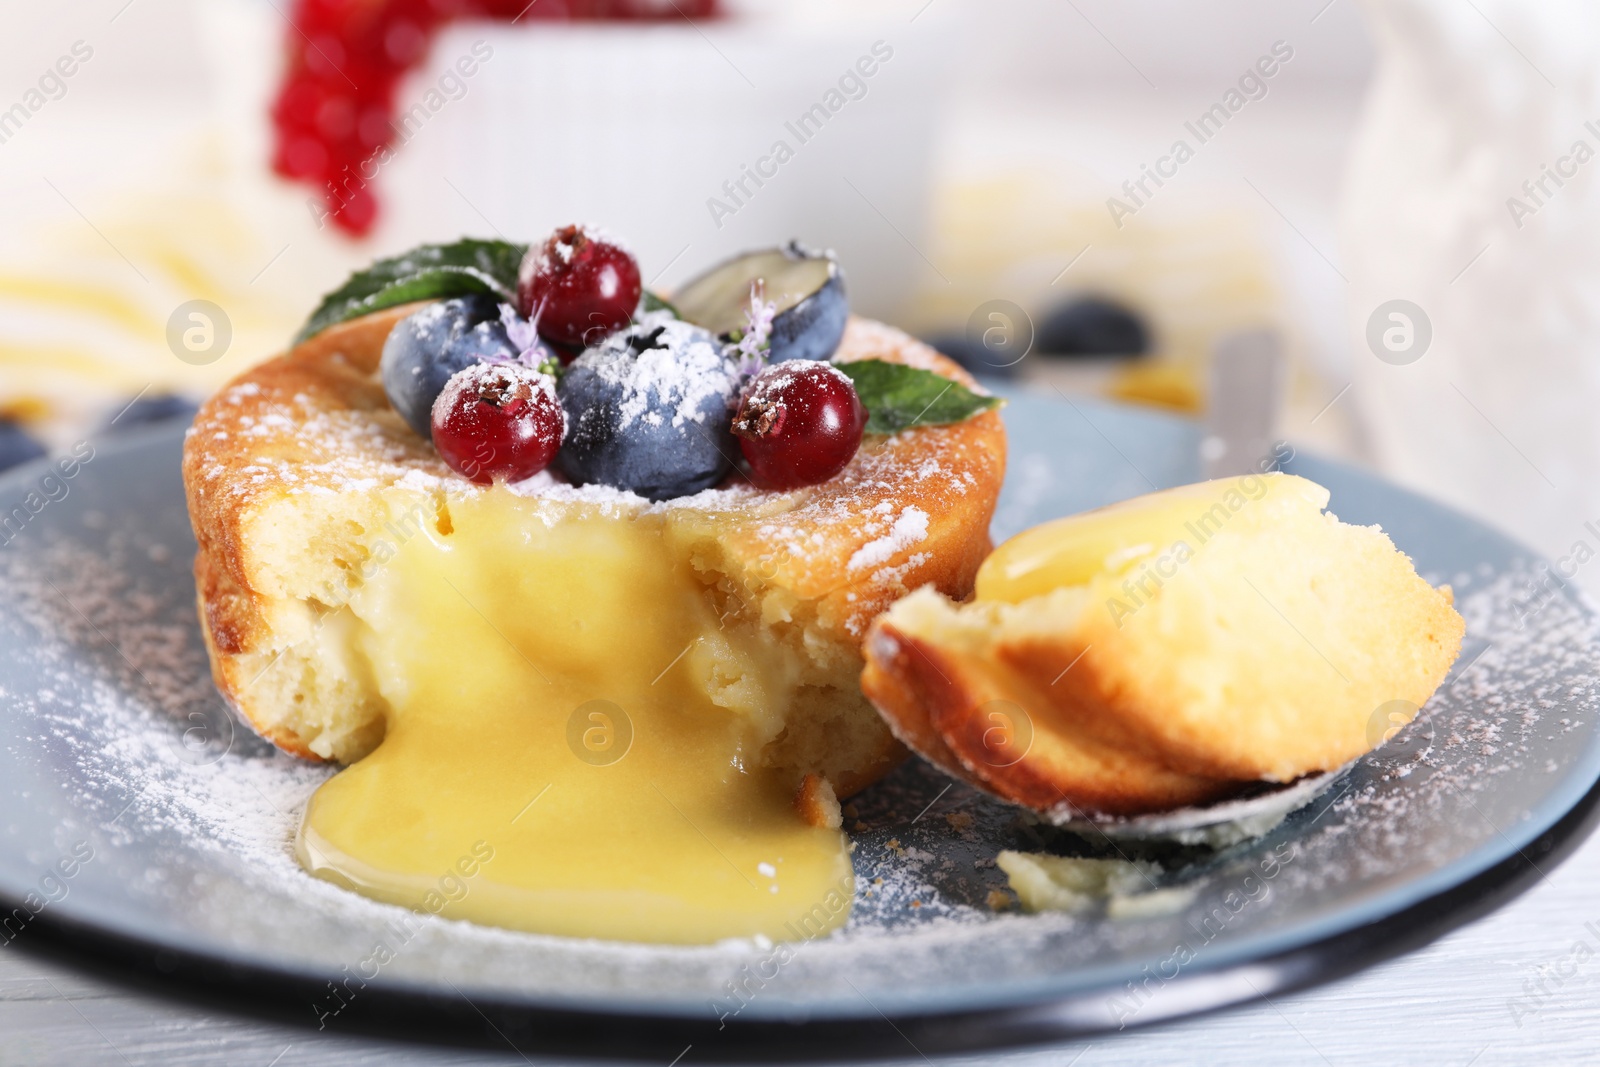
[459, 654]
[760, 651]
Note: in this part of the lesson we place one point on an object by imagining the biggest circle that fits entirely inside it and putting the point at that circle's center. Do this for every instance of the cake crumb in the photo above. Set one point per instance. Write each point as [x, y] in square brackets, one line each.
[817, 803]
[1062, 883]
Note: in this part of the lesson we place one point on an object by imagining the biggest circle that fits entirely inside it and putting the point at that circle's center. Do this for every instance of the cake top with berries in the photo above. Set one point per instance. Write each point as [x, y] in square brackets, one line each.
[315, 422]
[851, 470]
[304, 437]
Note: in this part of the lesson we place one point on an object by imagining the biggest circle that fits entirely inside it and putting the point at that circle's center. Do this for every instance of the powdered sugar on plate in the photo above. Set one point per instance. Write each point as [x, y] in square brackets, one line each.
[110, 732]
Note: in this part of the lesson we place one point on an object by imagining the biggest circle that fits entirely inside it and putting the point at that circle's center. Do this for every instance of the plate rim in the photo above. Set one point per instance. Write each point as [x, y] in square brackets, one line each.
[423, 1016]
[1577, 790]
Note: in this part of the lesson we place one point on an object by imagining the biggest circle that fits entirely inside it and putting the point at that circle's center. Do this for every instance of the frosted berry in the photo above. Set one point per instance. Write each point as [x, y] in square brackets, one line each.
[426, 349]
[498, 420]
[649, 410]
[799, 424]
[580, 287]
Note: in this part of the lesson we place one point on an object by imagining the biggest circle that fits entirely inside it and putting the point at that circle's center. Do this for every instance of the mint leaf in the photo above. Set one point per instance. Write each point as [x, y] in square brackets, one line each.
[653, 302]
[898, 397]
[428, 272]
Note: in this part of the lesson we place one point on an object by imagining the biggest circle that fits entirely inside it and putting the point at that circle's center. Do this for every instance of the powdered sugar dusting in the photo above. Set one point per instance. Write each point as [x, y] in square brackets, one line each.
[563, 243]
[104, 675]
[910, 528]
[682, 368]
[324, 427]
[499, 380]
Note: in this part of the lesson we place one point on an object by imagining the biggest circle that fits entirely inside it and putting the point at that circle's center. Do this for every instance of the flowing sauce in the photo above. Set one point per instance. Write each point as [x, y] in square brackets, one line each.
[562, 753]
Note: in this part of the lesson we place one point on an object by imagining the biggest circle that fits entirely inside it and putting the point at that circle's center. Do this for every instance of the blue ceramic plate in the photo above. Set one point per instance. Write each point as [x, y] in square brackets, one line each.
[141, 824]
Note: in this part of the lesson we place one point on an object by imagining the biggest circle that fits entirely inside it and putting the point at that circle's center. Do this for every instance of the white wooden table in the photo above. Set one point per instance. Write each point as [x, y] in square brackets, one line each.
[1521, 986]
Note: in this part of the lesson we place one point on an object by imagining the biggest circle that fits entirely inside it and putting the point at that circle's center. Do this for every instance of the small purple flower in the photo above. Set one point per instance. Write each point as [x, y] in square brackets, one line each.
[524, 336]
[755, 340]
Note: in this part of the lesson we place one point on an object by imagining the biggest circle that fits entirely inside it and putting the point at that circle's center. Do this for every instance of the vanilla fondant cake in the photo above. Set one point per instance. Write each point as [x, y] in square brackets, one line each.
[591, 591]
[629, 717]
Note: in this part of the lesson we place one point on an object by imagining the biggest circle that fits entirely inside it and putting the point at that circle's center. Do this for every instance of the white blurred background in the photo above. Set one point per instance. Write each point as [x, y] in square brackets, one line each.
[1015, 117]
[977, 165]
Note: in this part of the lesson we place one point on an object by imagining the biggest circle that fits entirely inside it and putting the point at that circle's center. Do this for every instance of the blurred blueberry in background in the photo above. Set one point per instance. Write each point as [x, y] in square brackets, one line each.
[144, 410]
[1092, 326]
[16, 446]
[973, 356]
[1001, 334]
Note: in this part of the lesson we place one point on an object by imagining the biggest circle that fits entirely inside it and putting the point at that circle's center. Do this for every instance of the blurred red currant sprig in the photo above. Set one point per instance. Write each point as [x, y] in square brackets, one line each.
[333, 117]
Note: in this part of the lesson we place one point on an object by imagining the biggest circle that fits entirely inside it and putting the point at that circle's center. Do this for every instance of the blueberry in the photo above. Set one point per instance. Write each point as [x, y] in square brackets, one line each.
[16, 446]
[974, 357]
[649, 410]
[148, 409]
[813, 328]
[1092, 326]
[425, 349]
[806, 287]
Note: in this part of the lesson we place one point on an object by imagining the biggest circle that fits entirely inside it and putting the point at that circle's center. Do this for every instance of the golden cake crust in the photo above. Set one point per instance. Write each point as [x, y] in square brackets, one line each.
[965, 712]
[279, 452]
[1269, 654]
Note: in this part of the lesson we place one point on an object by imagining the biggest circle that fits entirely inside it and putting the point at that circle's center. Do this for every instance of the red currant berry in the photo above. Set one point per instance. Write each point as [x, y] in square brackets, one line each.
[498, 420]
[305, 157]
[580, 288]
[799, 424]
[355, 212]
